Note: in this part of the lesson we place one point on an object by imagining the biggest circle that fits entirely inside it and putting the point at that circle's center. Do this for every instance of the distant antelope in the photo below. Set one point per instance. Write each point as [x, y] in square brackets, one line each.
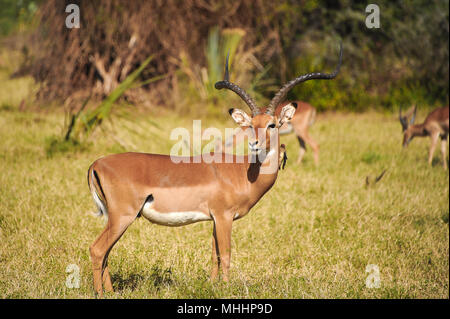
[436, 125]
[303, 118]
[172, 193]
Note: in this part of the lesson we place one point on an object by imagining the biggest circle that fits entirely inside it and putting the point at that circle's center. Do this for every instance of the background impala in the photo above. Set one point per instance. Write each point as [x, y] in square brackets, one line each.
[435, 126]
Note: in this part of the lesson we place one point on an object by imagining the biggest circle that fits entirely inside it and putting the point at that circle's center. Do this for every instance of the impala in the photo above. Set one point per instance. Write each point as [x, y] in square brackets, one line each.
[128, 185]
[435, 125]
[303, 118]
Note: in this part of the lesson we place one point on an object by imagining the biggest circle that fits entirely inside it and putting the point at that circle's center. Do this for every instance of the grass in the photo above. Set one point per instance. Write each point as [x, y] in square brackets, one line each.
[311, 236]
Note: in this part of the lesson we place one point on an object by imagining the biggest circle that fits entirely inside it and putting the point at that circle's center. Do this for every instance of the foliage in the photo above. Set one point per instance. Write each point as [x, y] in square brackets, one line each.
[16, 15]
[403, 62]
[93, 119]
[202, 79]
[244, 69]
[382, 67]
[55, 145]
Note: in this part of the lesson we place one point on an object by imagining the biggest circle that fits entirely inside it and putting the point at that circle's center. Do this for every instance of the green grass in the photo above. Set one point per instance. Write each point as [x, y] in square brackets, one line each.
[14, 90]
[311, 236]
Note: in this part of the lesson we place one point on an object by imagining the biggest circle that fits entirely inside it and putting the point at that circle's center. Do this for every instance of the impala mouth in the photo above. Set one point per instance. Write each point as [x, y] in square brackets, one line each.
[255, 150]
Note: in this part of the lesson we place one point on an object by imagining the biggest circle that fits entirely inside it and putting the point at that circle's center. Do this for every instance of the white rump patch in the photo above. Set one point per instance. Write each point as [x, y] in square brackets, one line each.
[172, 218]
[99, 203]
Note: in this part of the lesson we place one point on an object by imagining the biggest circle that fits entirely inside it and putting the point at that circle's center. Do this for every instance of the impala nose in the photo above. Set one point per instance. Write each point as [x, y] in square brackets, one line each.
[253, 146]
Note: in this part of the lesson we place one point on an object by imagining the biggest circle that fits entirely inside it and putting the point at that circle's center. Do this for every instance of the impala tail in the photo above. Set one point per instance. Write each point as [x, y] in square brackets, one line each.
[97, 192]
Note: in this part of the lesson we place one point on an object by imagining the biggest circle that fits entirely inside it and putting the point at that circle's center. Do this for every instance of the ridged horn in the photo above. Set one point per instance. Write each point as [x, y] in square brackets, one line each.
[226, 84]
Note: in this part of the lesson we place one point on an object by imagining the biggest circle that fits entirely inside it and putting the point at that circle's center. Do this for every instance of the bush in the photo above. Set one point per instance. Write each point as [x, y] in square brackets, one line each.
[275, 41]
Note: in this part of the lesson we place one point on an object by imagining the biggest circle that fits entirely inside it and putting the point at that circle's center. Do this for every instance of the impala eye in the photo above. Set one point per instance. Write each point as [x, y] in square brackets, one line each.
[271, 125]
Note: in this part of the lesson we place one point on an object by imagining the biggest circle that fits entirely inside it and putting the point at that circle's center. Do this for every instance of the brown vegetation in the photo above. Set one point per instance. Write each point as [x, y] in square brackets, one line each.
[383, 66]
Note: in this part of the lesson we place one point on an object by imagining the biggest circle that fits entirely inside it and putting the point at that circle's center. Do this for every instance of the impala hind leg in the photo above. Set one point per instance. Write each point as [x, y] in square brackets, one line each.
[107, 284]
[303, 139]
[100, 249]
[302, 150]
[434, 140]
[222, 246]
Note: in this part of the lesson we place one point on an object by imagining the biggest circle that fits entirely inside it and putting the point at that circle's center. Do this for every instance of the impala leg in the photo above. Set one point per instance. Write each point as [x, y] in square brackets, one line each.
[100, 249]
[444, 150]
[302, 149]
[223, 243]
[215, 256]
[97, 262]
[434, 140]
[107, 284]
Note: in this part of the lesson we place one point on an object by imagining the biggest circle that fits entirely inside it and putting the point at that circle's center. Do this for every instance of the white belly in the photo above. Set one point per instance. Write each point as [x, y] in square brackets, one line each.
[172, 218]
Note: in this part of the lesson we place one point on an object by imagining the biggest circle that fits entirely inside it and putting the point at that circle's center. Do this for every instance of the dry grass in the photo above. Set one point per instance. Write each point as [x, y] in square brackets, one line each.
[311, 236]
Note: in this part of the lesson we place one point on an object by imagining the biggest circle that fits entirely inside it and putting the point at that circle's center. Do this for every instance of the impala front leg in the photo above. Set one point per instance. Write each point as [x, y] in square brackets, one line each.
[215, 259]
[222, 243]
[444, 150]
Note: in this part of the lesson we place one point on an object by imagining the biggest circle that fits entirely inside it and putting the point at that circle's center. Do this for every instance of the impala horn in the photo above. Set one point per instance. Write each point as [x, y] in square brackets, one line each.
[226, 84]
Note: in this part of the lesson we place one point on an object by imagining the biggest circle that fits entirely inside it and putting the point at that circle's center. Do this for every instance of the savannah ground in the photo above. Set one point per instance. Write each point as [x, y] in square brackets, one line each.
[311, 236]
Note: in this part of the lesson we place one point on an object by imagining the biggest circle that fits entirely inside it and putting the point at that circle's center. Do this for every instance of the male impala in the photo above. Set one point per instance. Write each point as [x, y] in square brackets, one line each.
[436, 125]
[304, 117]
[125, 186]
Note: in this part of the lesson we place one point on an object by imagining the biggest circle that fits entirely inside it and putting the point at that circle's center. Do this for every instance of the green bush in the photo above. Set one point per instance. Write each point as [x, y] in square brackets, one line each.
[55, 145]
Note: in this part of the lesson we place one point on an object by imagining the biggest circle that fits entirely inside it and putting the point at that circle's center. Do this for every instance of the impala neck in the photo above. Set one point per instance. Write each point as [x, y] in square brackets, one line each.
[418, 130]
[262, 172]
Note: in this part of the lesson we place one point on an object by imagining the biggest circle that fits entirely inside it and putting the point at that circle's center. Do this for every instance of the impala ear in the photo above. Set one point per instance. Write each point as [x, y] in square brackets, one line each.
[287, 113]
[240, 117]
